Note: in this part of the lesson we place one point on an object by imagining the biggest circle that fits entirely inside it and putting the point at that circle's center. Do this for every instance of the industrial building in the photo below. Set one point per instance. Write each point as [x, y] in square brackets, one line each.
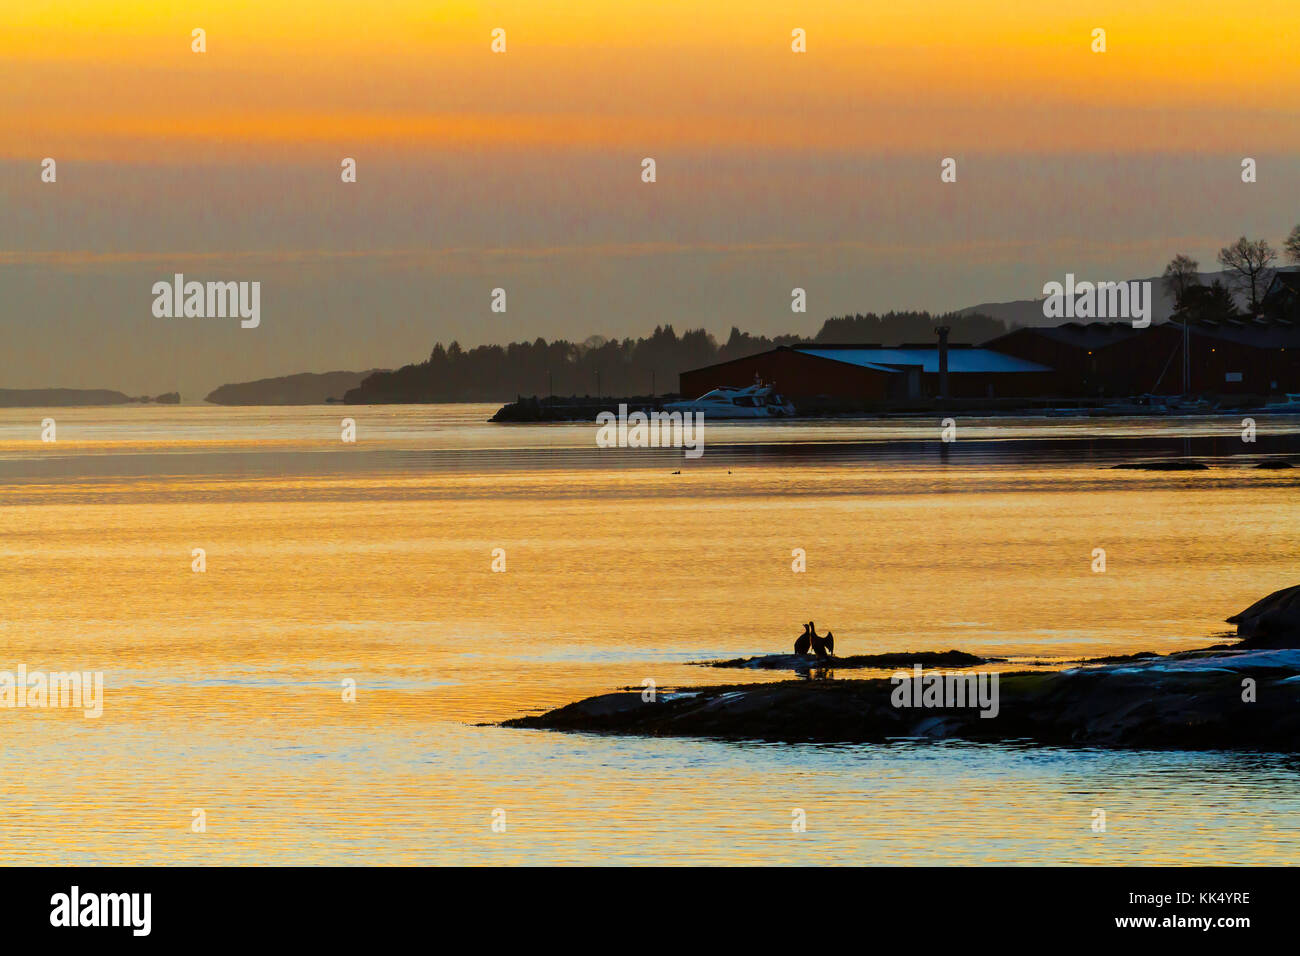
[1239, 356]
[1246, 357]
[872, 373]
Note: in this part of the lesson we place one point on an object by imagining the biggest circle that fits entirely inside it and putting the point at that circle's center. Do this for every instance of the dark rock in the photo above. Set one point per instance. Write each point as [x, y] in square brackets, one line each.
[1273, 621]
[1274, 464]
[804, 662]
[1189, 705]
[573, 409]
[1112, 659]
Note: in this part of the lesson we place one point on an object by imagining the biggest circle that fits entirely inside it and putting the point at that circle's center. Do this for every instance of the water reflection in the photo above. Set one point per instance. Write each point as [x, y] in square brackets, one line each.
[373, 563]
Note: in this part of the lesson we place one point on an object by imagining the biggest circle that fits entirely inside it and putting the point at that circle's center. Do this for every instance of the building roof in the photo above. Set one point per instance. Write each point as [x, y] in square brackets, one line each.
[1079, 335]
[1258, 333]
[960, 360]
[1284, 279]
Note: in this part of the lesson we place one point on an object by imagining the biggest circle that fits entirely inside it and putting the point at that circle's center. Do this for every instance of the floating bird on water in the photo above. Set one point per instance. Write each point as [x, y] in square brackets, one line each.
[804, 642]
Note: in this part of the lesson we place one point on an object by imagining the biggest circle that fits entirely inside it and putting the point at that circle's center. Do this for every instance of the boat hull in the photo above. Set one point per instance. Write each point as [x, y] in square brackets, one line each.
[718, 411]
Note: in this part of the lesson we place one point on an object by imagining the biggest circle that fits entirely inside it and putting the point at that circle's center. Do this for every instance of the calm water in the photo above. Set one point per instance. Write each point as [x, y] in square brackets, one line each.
[373, 561]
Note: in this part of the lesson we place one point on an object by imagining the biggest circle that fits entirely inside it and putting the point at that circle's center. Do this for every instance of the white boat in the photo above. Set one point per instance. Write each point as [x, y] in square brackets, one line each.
[726, 401]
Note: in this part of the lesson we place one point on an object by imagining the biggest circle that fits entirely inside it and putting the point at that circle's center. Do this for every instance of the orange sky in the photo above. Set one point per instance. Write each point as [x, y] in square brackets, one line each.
[115, 79]
[522, 170]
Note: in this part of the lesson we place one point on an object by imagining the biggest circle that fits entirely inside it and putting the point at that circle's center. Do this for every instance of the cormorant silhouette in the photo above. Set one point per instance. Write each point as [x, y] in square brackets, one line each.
[804, 642]
[823, 646]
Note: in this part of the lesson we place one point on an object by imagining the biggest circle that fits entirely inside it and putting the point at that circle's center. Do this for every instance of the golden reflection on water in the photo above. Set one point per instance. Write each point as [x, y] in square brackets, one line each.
[224, 688]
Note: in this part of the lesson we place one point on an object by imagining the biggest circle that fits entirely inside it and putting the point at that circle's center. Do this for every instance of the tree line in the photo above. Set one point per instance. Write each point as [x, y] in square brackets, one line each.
[1249, 264]
[599, 367]
[629, 367]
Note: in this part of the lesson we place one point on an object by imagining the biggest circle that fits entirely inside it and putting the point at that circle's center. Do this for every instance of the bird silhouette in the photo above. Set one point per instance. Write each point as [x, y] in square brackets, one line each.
[822, 646]
[804, 642]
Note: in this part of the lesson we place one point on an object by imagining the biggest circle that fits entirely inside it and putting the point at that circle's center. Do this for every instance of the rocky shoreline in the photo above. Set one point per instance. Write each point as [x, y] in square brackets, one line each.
[1242, 697]
[803, 664]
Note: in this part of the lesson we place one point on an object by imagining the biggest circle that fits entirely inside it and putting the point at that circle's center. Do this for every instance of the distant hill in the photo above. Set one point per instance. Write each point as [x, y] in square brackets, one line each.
[59, 397]
[1030, 311]
[306, 388]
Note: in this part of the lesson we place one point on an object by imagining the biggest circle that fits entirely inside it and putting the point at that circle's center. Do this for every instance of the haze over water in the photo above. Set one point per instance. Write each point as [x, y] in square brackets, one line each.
[372, 561]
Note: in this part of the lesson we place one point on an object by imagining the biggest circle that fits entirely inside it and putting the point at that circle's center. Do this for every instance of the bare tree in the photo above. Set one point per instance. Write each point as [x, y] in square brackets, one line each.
[1292, 245]
[1250, 265]
[1181, 274]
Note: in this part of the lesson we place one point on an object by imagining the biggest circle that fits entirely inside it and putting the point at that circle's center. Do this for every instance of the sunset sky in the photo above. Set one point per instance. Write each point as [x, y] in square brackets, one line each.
[521, 170]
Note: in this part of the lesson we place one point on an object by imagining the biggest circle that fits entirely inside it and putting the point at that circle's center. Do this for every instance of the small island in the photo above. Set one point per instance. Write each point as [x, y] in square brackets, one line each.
[1242, 697]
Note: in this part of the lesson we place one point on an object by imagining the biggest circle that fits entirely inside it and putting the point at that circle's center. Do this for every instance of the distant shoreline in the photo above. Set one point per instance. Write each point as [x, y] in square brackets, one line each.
[78, 398]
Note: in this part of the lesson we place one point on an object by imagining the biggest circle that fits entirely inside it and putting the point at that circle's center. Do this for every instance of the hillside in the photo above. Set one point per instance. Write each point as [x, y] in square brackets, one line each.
[1029, 312]
[305, 388]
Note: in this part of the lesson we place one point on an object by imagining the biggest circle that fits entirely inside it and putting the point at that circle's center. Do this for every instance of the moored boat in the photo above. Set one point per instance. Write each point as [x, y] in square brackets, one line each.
[726, 401]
